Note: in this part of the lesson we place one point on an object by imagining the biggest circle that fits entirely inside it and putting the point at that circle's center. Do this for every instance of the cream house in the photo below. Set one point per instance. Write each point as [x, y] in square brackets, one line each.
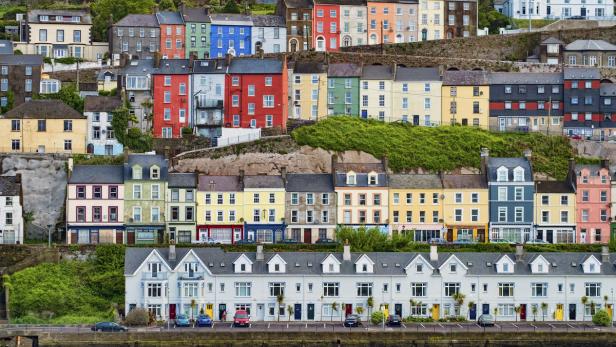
[417, 96]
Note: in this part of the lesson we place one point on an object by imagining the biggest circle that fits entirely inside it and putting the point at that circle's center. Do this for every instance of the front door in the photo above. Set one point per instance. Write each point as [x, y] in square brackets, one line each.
[523, 312]
[485, 309]
[222, 311]
[209, 310]
[108, 150]
[435, 311]
[481, 235]
[171, 311]
[130, 238]
[386, 310]
[502, 124]
[348, 309]
[298, 312]
[310, 309]
[307, 236]
[473, 312]
[549, 236]
[449, 235]
[398, 309]
[416, 119]
[237, 234]
[572, 312]
[559, 312]
[119, 237]
[260, 312]
[610, 310]
[583, 12]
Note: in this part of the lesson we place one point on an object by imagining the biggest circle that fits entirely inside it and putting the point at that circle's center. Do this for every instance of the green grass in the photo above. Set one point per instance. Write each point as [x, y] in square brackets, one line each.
[537, 23]
[263, 8]
[436, 149]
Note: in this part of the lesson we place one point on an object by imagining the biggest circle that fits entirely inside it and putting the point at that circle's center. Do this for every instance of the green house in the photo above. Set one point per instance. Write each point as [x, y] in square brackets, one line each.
[343, 89]
[198, 26]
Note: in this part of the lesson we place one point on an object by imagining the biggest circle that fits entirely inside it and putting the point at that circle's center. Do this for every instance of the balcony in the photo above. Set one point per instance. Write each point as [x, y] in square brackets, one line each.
[191, 276]
[154, 276]
[211, 118]
[205, 103]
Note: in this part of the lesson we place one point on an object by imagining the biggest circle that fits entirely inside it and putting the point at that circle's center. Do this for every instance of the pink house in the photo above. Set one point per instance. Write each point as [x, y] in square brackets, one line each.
[593, 199]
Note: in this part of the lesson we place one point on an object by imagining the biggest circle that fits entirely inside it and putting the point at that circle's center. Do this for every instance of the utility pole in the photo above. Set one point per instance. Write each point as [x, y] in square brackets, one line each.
[382, 41]
[530, 25]
[547, 132]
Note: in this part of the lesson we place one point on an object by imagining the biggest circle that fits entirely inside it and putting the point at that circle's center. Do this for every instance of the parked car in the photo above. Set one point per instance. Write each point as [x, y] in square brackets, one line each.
[241, 319]
[464, 242]
[289, 242]
[486, 320]
[326, 241]
[394, 320]
[438, 241]
[575, 137]
[537, 242]
[203, 320]
[181, 320]
[501, 241]
[245, 242]
[108, 326]
[352, 320]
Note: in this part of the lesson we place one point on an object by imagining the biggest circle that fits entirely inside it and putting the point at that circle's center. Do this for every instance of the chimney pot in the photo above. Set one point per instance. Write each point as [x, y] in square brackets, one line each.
[346, 255]
[519, 252]
[260, 255]
[605, 254]
[433, 252]
[171, 251]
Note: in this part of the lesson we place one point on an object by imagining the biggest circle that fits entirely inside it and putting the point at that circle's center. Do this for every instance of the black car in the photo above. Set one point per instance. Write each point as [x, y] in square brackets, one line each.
[245, 242]
[326, 241]
[352, 320]
[289, 242]
[394, 321]
[108, 326]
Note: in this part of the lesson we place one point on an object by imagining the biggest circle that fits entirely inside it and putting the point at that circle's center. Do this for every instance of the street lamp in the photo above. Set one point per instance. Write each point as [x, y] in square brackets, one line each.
[49, 235]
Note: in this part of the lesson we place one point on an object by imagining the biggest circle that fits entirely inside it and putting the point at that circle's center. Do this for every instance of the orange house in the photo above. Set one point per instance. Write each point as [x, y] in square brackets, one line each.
[381, 22]
[172, 36]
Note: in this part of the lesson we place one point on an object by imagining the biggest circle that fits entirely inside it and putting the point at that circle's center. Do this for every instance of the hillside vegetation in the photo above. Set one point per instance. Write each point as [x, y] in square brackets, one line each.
[436, 149]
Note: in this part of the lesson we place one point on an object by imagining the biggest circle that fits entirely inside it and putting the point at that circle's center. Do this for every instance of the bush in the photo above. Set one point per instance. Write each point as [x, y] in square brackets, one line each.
[412, 319]
[138, 317]
[377, 317]
[186, 131]
[602, 318]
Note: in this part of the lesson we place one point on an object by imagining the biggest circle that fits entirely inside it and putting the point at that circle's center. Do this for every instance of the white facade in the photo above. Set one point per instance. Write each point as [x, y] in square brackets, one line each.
[270, 39]
[559, 9]
[353, 25]
[100, 134]
[209, 93]
[11, 219]
[311, 282]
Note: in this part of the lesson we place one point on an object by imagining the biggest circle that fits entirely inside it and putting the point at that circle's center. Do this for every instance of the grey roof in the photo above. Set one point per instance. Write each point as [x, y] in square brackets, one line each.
[509, 163]
[608, 89]
[146, 161]
[467, 181]
[220, 262]
[21, 59]
[465, 78]
[263, 181]
[219, 183]
[255, 66]
[309, 67]
[230, 19]
[417, 74]
[6, 47]
[377, 72]
[138, 20]
[298, 3]
[90, 174]
[139, 67]
[33, 16]
[9, 186]
[103, 73]
[97, 103]
[554, 187]
[594, 169]
[343, 70]
[182, 180]
[44, 109]
[310, 183]
[590, 45]
[210, 66]
[199, 15]
[173, 67]
[361, 180]
[552, 40]
[169, 18]
[265, 20]
[525, 78]
[411, 181]
[572, 73]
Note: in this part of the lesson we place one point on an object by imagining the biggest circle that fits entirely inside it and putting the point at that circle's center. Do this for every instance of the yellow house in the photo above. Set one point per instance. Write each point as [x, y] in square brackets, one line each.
[376, 95]
[555, 211]
[431, 21]
[417, 96]
[308, 91]
[59, 33]
[43, 126]
[466, 207]
[415, 205]
[264, 208]
[465, 97]
[220, 209]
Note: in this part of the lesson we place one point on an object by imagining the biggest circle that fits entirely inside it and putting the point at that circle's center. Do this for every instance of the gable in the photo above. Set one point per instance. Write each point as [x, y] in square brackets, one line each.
[364, 264]
[330, 264]
[591, 265]
[540, 265]
[276, 264]
[426, 267]
[505, 265]
[192, 258]
[153, 257]
[242, 264]
[453, 264]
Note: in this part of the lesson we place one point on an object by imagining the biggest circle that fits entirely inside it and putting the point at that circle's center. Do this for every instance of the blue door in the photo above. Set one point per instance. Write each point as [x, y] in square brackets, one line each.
[473, 312]
[485, 309]
[298, 312]
[364, 114]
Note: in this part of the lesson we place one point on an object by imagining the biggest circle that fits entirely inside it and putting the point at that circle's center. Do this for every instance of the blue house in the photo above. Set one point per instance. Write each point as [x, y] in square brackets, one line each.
[511, 194]
[230, 34]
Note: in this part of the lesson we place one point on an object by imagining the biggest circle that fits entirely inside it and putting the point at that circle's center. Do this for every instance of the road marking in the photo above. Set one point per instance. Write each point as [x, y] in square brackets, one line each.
[231, 325]
[515, 326]
[306, 325]
[496, 325]
[460, 325]
[570, 326]
[422, 326]
[441, 325]
[287, 325]
[404, 325]
[551, 326]
[268, 325]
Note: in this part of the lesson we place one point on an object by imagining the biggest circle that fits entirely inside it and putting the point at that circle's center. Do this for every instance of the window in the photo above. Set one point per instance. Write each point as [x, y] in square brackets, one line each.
[242, 289]
[519, 193]
[276, 288]
[155, 290]
[68, 125]
[364, 289]
[505, 289]
[539, 289]
[451, 288]
[419, 289]
[331, 289]
[68, 145]
[593, 289]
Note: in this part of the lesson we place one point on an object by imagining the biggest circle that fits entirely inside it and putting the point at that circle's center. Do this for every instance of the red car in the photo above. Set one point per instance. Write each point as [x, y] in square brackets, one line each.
[576, 137]
[241, 319]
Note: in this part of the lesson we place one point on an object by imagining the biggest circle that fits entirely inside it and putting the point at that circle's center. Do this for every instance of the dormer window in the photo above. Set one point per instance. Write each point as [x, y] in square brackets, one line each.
[373, 179]
[331, 267]
[501, 174]
[453, 267]
[505, 267]
[277, 267]
[242, 267]
[591, 267]
[154, 173]
[540, 268]
[351, 179]
[419, 267]
[518, 174]
[364, 268]
[137, 174]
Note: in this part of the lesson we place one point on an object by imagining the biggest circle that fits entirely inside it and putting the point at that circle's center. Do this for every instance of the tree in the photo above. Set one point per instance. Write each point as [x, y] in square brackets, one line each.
[584, 301]
[193, 304]
[114, 10]
[280, 301]
[231, 7]
[534, 310]
[334, 309]
[290, 311]
[132, 138]
[458, 297]
[10, 101]
[491, 18]
[377, 317]
[370, 304]
[517, 310]
[602, 318]
[544, 309]
[166, 5]
[6, 284]
[69, 94]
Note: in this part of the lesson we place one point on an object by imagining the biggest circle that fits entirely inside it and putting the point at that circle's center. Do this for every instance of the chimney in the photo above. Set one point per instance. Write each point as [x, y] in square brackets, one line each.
[519, 252]
[283, 173]
[346, 254]
[528, 154]
[605, 163]
[485, 155]
[18, 176]
[242, 179]
[605, 254]
[229, 57]
[172, 251]
[433, 253]
[70, 165]
[206, 8]
[191, 59]
[156, 60]
[333, 164]
[385, 161]
[260, 255]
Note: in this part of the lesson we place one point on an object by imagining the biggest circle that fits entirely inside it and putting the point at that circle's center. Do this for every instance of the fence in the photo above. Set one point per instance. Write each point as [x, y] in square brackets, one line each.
[232, 140]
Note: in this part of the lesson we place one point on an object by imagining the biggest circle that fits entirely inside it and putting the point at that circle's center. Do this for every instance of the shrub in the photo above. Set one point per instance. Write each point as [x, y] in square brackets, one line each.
[186, 131]
[377, 317]
[137, 317]
[602, 318]
[411, 319]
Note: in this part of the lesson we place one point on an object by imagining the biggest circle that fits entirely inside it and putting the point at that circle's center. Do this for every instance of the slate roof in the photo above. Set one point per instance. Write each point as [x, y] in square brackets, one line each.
[230, 19]
[44, 109]
[509, 163]
[220, 262]
[6, 47]
[417, 74]
[139, 67]
[593, 168]
[193, 14]
[33, 16]
[173, 67]
[91, 174]
[309, 67]
[263, 181]
[345, 2]
[552, 40]
[138, 20]
[103, 73]
[219, 183]
[21, 59]
[554, 187]
[96, 103]
[210, 66]
[255, 66]
[343, 70]
[167, 17]
[361, 180]
[264, 20]
[590, 45]
[182, 180]
[310, 183]
[9, 186]
[298, 3]
[409, 181]
[146, 161]
[467, 181]
[572, 73]
[465, 78]
[608, 89]
[377, 72]
[525, 78]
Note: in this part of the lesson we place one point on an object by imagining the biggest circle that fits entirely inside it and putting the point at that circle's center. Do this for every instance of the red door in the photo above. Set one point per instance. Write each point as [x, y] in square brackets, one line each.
[172, 311]
[119, 237]
[348, 309]
[130, 236]
[523, 312]
[307, 236]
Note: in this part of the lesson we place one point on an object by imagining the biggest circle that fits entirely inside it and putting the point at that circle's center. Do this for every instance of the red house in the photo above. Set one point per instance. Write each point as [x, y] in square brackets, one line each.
[256, 93]
[326, 26]
[171, 110]
[172, 35]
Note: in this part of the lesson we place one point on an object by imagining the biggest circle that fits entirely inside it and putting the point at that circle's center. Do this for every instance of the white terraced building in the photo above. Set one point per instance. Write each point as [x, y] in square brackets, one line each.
[167, 280]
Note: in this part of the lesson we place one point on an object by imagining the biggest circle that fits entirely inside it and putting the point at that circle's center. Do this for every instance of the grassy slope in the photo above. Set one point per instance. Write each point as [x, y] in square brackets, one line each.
[441, 148]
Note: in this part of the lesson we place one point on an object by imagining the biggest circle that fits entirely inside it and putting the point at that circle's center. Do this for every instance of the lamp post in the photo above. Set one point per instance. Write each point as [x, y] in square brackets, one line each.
[49, 235]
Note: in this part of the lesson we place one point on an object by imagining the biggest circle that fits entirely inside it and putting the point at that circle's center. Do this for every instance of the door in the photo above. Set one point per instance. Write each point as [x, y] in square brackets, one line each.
[298, 312]
[572, 312]
[364, 114]
[307, 236]
[473, 312]
[348, 309]
[416, 119]
[558, 315]
[119, 237]
[398, 309]
[583, 12]
[502, 124]
[108, 150]
[386, 310]
[237, 234]
[449, 235]
[610, 310]
[209, 310]
[523, 312]
[549, 236]
[310, 309]
[130, 238]
[171, 311]
[222, 311]
[435, 311]
[582, 237]
[485, 309]
[481, 235]
[260, 312]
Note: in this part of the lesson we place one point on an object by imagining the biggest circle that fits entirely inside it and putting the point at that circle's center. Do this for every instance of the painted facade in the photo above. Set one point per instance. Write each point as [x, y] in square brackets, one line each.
[101, 138]
[326, 26]
[172, 96]
[555, 211]
[466, 98]
[466, 207]
[353, 24]
[269, 34]
[11, 210]
[264, 208]
[430, 19]
[181, 206]
[417, 96]
[343, 89]
[593, 200]
[298, 18]
[172, 35]
[137, 35]
[198, 31]
[208, 95]
[376, 92]
[59, 33]
[230, 34]
[136, 82]
[309, 91]
[220, 209]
